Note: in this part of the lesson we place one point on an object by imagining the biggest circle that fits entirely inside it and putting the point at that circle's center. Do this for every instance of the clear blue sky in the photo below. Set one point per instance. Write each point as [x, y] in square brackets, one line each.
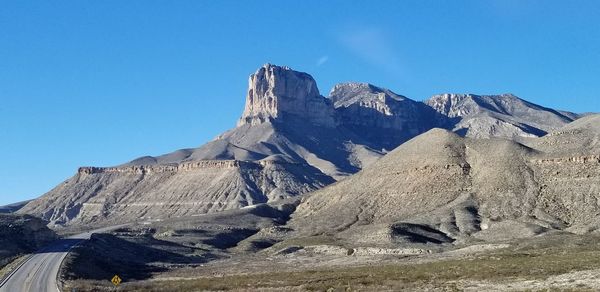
[102, 82]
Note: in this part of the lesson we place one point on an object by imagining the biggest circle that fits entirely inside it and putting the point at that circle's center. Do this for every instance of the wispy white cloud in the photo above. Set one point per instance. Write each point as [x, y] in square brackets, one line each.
[322, 60]
[373, 46]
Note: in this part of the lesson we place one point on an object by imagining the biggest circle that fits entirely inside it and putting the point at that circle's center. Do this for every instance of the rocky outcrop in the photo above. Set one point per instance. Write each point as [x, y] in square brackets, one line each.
[592, 159]
[290, 140]
[506, 115]
[184, 166]
[281, 93]
[454, 105]
[366, 95]
[96, 196]
[286, 144]
[380, 115]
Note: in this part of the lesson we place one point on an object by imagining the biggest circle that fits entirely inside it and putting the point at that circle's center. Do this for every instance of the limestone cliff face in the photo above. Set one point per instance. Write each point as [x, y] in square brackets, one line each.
[276, 92]
[366, 95]
[290, 140]
[380, 114]
[452, 105]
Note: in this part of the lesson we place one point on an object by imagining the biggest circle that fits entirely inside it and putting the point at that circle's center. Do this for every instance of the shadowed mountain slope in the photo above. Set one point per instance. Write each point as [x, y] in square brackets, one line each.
[381, 116]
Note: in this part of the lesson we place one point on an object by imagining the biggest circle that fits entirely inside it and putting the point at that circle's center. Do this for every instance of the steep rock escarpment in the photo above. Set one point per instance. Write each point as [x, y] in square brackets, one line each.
[285, 145]
[380, 115]
[290, 140]
[276, 92]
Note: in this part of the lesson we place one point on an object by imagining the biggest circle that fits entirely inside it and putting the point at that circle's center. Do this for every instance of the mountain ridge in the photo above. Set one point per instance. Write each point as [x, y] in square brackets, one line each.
[504, 115]
[289, 140]
[466, 189]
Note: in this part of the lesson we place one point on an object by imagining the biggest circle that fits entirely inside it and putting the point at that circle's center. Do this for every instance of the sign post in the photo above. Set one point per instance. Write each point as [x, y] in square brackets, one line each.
[116, 280]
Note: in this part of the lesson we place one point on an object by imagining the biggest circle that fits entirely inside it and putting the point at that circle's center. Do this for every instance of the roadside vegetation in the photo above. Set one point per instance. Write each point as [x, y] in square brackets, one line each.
[533, 260]
[11, 264]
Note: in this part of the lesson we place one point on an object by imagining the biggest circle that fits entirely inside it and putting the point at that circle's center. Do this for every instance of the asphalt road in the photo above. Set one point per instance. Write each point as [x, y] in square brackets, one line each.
[38, 273]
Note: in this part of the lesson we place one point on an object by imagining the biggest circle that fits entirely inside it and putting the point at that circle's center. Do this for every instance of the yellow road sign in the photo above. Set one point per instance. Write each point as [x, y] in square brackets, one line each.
[116, 280]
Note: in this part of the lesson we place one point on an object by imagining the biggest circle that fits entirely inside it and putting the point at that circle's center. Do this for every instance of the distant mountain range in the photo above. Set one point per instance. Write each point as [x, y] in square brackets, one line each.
[291, 140]
[12, 207]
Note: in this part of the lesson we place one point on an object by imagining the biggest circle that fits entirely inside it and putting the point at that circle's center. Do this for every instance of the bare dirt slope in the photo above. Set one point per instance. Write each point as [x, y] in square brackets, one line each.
[442, 186]
[112, 196]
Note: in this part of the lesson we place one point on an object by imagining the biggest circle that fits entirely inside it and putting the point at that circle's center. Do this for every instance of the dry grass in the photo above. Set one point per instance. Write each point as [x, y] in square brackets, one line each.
[11, 265]
[528, 262]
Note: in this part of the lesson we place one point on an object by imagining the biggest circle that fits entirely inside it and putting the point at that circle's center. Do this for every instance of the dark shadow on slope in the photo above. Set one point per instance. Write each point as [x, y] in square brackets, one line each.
[462, 132]
[324, 143]
[229, 239]
[380, 131]
[105, 255]
[256, 245]
[23, 234]
[485, 105]
[280, 213]
[537, 106]
[62, 245]
[532, 130]
[416, 233]
[525, 128]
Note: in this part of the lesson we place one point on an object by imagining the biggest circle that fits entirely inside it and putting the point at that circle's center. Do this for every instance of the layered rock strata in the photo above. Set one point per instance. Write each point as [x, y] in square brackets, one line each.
[289, 140]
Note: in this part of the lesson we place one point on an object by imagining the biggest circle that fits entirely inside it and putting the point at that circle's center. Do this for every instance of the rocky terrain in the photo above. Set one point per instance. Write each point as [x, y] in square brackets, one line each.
[506, 115]
[129, 193]
[222, 251]
[364, 189]
[440, 212]
[443, 188]
[382, 116]
[22, 234]
[290, 140]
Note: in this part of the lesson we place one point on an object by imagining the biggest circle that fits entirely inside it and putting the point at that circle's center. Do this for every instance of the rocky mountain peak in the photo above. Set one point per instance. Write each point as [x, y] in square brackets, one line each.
[345, 94]
[280, 93]
[447, 104]
[504, 115]
[292, 140]
[379, 114]
[460, 105]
